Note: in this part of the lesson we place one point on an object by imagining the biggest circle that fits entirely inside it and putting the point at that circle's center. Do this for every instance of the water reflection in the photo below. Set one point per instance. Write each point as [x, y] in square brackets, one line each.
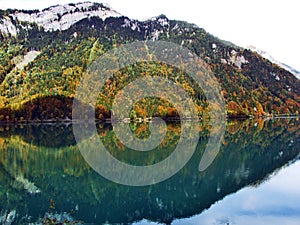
[40, 163]
[274, 202]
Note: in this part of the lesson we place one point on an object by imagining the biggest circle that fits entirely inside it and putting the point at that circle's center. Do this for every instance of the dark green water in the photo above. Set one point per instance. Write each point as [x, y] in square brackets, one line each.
[254, 179]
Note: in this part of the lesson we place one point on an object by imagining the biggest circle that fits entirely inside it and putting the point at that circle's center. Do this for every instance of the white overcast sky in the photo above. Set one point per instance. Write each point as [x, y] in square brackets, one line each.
[270, 25]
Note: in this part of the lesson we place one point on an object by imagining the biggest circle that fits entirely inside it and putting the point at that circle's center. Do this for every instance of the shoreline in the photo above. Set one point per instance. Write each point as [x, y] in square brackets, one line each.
[142, 120]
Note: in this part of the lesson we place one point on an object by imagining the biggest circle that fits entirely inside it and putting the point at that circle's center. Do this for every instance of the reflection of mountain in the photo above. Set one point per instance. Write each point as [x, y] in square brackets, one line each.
[250, 152]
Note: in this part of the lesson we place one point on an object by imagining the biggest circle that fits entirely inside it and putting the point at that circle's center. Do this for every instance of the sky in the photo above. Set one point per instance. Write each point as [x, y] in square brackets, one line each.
[270, 25]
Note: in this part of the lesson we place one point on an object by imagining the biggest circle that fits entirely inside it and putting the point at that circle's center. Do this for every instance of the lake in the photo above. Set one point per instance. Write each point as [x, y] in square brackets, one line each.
[253, 179]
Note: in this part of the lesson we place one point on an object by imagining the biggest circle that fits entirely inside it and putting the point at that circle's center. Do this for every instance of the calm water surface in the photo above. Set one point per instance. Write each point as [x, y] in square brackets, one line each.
[255, 178]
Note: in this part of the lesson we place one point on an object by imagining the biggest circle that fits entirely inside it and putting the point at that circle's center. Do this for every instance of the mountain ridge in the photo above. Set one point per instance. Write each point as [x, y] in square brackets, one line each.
[266, 55]
[58, 17]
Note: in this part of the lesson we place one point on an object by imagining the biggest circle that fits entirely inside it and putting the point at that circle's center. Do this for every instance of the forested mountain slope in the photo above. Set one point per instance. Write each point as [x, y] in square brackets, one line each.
[60, 42]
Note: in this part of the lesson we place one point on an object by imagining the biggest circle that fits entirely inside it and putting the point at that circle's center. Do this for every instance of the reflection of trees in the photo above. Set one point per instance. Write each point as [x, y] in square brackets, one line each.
[251, 150]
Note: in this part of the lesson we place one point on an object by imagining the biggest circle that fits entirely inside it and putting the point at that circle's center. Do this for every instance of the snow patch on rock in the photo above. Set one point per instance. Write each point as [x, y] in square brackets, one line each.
[155, 35]
[7, 27]
[237, 60]
[129, 23]
[163, 21]
[29, 57]
[275, 76]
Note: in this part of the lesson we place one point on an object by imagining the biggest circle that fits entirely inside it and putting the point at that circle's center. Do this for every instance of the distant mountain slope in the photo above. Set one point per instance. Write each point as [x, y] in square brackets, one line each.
[70, 37]
[269, 57]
